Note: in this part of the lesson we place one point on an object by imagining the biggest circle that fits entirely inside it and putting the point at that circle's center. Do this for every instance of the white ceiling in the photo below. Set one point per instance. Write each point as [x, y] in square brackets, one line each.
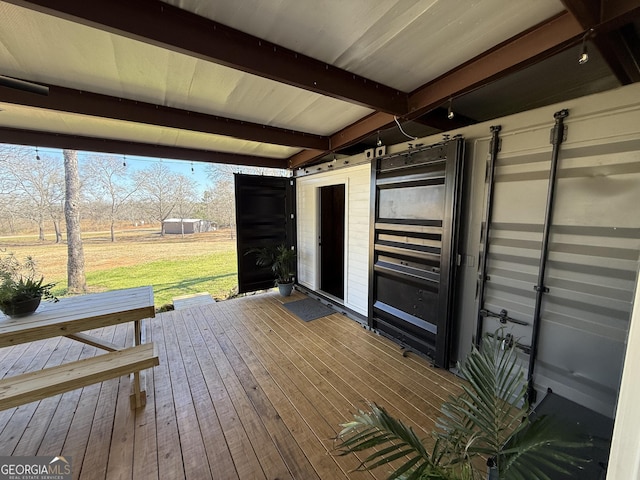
[402, 44]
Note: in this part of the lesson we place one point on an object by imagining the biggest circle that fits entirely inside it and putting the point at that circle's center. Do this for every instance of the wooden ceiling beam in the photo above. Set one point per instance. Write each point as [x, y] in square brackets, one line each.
[612, 34]
[121, 147]
[616, 13]
[161, 24]
[86, 103]
[519, 52]
[620, 49]
[345, 137]
[605, 15]
[586, 12]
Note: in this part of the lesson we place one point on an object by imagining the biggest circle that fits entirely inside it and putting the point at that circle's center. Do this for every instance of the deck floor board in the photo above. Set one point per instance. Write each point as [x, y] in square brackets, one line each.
[245, 390]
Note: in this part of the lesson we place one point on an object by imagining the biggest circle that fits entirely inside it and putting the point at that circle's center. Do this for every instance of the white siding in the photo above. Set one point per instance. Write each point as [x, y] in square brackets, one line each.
[357, 204]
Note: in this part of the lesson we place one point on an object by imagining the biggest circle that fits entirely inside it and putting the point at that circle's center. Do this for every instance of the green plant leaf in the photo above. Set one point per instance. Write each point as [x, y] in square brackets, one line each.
[489, 419]
[395, 439]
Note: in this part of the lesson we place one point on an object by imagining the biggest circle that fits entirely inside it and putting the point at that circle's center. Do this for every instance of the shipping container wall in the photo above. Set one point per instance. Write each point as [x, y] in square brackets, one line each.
[594, 242]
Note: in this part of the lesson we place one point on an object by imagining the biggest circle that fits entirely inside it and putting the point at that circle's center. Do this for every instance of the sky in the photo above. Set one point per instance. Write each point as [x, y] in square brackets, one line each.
[194, 170]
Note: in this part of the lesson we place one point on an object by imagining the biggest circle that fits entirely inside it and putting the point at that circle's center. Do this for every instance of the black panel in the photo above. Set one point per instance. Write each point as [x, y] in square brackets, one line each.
[414, 246]
[590, 426]
[264, 216]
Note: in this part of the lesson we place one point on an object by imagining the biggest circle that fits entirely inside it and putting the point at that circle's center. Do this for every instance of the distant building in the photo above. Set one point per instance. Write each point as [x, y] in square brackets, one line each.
[187, 225]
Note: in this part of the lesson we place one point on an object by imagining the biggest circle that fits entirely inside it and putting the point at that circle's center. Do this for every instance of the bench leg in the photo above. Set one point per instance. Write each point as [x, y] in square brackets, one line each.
[138, 332]
[138, 398]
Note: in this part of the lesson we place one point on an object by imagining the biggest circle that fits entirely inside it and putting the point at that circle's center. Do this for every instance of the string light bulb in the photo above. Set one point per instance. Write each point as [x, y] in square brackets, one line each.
[124, 160]
[37, 154]
[450, 113]
[584, 54]
[378, 142]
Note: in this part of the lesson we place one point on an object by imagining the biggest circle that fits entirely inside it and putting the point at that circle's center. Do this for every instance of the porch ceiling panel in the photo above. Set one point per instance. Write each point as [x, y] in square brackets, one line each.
[399, 43]
[94, 60]
[296, 80]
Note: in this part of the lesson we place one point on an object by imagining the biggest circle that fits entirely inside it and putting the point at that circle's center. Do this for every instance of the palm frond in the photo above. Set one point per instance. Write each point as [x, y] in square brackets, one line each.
[544, 446]
[394, 440]
[489, 419]
[492, 407]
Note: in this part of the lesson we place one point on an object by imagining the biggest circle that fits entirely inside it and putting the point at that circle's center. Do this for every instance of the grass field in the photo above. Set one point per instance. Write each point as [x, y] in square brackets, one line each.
[202, 262]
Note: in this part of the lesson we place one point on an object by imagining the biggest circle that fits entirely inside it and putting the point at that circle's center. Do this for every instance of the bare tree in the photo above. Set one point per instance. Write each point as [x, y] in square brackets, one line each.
[75, 252]
[107, 180]
[219, 171]
[37, 184]
[186, 199]
[165, 191]
[56, 211]
[220, 202]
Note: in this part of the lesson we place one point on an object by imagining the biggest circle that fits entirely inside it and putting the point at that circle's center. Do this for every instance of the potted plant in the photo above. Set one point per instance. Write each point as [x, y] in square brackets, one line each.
[488, 423]
[20, 288]
[280, 259]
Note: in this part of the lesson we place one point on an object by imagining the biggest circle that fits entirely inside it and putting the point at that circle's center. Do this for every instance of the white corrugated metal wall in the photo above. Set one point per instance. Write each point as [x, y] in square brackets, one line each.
[594, 242]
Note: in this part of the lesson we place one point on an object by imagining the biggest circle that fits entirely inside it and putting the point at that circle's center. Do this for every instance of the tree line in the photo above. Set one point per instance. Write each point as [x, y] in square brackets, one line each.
[32, 192]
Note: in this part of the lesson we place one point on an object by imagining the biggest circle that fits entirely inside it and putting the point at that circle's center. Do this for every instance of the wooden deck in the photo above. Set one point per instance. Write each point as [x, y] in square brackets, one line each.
[244, 390]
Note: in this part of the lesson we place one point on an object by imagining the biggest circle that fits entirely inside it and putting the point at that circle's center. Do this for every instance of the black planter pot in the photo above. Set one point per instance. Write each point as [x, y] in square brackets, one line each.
[21, 309]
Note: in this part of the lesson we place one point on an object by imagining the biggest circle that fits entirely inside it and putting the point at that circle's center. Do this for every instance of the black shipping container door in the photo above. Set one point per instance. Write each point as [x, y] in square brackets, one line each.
[414, 246]
[264, 216]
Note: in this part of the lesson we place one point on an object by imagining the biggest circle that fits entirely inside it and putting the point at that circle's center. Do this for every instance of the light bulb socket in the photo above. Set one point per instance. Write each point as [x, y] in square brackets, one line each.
[584, 55]
[450, 113]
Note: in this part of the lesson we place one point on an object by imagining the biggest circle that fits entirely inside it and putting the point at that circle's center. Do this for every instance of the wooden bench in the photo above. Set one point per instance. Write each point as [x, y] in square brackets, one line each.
[70, 317]
[33, 386]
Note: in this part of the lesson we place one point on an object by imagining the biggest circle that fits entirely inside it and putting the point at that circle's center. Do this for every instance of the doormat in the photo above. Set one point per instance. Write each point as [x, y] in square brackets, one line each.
[308, 309]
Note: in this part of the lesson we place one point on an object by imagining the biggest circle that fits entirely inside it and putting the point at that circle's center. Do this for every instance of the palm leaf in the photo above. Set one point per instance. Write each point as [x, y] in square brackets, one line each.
[491, 419]
[395, 440]
[542, 447]
[485, 415]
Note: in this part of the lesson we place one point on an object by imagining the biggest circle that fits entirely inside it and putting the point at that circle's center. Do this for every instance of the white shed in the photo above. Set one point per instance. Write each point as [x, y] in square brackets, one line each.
[185, 225]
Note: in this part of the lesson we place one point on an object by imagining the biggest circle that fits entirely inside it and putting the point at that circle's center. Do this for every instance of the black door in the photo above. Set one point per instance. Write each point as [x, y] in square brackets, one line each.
[414, 246]
[264, 216]
[332, 240]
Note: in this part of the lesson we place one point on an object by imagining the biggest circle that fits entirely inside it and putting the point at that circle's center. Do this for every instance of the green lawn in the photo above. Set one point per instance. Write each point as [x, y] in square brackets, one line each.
[173, 265]
[214, 273]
